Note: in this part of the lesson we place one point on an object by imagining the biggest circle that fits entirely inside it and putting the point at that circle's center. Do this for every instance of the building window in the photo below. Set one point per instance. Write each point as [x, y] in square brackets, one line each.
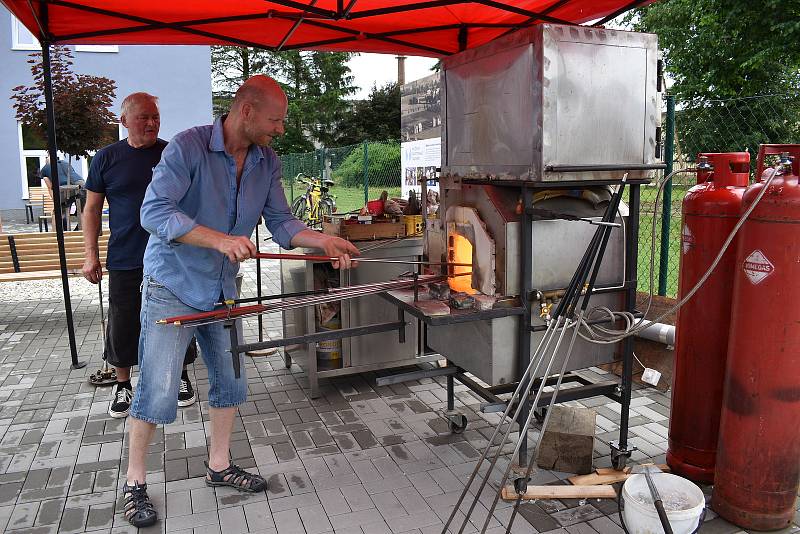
[21, 38]
[96, 48]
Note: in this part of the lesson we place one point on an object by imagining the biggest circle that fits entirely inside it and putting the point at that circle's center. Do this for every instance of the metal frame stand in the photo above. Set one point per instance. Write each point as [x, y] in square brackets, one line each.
[620, 449]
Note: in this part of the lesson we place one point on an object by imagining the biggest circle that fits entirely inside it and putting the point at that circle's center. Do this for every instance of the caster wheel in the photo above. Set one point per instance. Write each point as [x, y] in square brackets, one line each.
[521, 485]
[458, 423]
[540, 414]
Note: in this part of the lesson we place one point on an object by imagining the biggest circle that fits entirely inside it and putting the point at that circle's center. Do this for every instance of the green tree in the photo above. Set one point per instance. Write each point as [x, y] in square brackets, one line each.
[374, 119]
[81, 102]
[316, 84]
[383, 169]
[719, 53]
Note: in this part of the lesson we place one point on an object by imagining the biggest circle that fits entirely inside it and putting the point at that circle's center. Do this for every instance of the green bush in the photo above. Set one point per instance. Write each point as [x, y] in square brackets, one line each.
[383, 168]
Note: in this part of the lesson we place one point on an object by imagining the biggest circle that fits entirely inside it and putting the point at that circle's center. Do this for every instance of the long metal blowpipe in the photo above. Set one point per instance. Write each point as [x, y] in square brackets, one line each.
[313, 257]
[592, 256]
[520, 395]
[614, 205]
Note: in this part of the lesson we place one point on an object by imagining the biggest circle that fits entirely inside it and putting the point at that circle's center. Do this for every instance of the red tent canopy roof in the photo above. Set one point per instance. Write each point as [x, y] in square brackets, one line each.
[433, 28]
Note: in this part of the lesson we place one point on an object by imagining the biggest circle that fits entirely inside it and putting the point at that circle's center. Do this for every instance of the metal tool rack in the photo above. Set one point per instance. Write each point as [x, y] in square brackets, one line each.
[406, 331]
[620, 449]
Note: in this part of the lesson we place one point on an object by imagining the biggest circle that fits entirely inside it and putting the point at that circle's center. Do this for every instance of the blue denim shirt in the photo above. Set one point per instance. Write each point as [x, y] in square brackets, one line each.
[195, 184]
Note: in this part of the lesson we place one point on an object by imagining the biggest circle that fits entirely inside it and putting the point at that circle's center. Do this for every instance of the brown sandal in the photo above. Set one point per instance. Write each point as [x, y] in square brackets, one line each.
[236, 477]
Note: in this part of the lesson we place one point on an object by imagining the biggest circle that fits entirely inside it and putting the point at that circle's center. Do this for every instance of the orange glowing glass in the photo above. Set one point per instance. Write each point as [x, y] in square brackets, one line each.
[460, 252]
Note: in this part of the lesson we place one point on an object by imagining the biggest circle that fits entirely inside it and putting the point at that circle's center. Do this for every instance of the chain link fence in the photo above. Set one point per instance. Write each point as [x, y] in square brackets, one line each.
[729, 125]
[359, 172]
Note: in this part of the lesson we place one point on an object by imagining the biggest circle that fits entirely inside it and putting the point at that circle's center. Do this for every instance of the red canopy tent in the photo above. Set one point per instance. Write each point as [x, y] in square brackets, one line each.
[434, 28]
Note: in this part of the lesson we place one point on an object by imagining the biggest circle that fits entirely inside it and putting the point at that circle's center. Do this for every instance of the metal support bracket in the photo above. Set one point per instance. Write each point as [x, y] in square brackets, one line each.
[619, 455]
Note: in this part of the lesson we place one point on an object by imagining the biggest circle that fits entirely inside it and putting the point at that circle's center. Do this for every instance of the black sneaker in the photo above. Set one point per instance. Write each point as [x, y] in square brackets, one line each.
[186, 396]
[120, 403]
[138, 508]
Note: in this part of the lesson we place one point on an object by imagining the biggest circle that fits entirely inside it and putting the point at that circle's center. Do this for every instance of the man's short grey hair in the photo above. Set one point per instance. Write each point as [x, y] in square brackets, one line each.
[134, 98]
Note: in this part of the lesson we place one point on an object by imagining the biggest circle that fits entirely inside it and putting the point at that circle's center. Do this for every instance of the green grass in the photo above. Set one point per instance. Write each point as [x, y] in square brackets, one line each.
[648, 195]
[348, 198]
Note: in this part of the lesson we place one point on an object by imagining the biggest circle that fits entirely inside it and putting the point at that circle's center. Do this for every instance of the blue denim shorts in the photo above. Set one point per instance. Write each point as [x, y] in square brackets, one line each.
[161, 352]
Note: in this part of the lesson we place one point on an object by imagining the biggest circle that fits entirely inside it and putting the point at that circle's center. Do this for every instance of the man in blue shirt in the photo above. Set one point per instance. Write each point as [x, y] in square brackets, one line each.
[207, 194]
[65, 173]
[121, 172]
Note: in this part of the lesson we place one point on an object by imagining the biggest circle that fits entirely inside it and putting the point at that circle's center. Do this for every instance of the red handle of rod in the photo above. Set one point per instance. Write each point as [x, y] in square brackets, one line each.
[302, 257]
[216, 314]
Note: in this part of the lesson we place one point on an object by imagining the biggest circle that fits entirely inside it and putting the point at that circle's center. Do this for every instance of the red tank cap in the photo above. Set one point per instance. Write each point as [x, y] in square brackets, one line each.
[730, 168]
[777, 150]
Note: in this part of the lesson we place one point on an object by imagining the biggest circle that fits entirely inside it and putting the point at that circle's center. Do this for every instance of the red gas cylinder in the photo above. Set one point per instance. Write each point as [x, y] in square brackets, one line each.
[758, 454]
[710, 211]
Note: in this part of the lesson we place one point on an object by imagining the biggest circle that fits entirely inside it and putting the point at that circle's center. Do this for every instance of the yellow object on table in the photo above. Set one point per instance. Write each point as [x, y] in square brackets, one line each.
[413, 224]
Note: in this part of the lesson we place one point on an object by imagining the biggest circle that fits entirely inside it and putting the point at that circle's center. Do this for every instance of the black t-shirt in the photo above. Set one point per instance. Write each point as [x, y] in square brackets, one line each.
[122, 173]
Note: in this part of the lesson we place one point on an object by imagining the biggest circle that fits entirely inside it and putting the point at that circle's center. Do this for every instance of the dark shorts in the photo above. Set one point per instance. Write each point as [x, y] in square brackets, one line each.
[123, 326]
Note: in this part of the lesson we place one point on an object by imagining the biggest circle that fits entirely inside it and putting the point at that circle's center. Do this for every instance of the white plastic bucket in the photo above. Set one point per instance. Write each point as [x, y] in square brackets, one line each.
[683, 501]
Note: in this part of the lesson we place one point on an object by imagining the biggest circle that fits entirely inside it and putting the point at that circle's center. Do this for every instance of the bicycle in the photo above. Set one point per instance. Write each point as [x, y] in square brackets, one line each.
[316, 203]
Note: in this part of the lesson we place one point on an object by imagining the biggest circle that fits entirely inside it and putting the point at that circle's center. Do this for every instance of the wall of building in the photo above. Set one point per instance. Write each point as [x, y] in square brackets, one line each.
[179, 75]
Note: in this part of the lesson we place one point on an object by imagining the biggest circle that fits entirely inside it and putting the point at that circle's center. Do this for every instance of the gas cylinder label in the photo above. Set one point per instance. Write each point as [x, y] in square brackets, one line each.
[687, 239]
[757, 267]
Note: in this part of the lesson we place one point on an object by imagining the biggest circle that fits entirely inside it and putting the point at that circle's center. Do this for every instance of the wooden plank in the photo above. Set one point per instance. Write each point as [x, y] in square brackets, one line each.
[365, 232]
[594, 479]
[562, 492]
[607, 475]
[611, 470]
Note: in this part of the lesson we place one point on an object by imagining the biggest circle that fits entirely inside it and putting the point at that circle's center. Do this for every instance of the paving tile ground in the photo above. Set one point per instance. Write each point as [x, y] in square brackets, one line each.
[361, 459]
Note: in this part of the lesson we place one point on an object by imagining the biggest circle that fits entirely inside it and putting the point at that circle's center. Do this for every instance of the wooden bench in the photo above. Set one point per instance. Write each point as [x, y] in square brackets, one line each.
[48, 216]
[38, 197]
[34, 256]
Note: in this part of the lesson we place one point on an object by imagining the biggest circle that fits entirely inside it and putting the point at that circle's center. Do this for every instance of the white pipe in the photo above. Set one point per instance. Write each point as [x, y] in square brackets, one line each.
[658, 332]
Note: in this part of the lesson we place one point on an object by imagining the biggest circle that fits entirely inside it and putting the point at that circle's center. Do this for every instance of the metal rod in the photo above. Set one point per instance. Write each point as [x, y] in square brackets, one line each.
[313, 257]
[485, 453]
[565, 308]
[258, 285]
[55, 180]
[520, 406]
[323, 336]
[605, 232]
[339, 294]
[606, 167]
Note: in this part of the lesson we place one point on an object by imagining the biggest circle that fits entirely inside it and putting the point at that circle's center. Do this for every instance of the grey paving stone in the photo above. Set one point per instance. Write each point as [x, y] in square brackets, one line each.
[537, 518]
[178, 503]
[194, 520]
[288, 522]
[314, 519]
[604, 525]
[232, 520]
[100, 516]
[73, 520]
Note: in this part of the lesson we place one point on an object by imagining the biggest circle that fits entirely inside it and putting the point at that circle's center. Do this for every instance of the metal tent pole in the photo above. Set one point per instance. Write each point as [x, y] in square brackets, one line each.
[51, 144]
[258, 283]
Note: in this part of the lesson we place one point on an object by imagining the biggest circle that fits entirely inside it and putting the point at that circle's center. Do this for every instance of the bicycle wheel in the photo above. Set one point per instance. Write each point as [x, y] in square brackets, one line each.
[300, 208]
[326, 208]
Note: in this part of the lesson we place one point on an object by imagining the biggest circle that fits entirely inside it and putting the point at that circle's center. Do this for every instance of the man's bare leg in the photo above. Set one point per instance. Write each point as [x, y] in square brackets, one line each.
[219, 457]
[140, 433]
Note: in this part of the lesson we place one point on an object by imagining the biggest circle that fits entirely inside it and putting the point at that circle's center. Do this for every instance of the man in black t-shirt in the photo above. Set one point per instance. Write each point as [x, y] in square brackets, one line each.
[121, 172]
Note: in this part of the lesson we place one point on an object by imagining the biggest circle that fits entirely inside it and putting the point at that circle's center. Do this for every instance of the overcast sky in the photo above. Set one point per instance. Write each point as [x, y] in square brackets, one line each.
[379, 69]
